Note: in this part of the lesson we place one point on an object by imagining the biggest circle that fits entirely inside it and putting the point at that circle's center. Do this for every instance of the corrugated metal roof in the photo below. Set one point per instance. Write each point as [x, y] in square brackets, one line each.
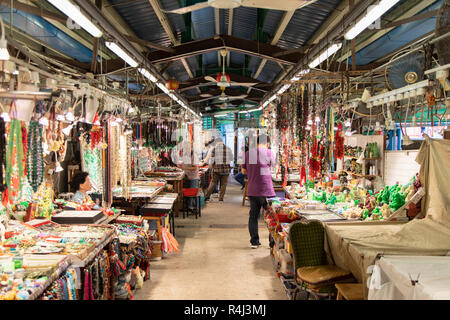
[142, 19]
[253, 64]
[237, 58]
[305, 22]
[44, 31]
[224, 14]
[177, 70]
[203, 23]
[176, 20]
[210, 59]
[244, 22]
[270, 71]
[272, 21]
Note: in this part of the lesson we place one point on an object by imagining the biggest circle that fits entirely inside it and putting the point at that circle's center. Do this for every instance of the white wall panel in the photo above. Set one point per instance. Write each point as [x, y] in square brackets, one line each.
[400, 166]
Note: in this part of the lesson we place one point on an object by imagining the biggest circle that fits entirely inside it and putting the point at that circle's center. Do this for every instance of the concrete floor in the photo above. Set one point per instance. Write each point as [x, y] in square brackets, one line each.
[215, 260]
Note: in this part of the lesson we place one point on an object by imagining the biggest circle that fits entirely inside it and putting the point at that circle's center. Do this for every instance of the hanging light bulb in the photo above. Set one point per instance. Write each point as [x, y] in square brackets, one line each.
[43, 121]
[6, 117]
[317, 119]
[309, 121]
[119, 120]
[70, 116]
[58, 167]
[60, 117]
[67, 130]
[348, 123]
[308, 128]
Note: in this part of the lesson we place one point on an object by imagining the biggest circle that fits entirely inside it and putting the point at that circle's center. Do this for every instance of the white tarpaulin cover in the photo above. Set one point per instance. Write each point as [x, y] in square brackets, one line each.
[392, 275]
[434, 160]
[355, 246]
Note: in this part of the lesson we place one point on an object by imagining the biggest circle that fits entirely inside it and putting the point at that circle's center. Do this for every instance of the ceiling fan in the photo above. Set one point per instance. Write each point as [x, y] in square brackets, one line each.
[284, 5]
[223, 79]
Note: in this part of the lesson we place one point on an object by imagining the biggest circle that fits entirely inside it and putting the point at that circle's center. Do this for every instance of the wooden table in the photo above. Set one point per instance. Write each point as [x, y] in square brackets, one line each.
[142, 194]
[176, 181]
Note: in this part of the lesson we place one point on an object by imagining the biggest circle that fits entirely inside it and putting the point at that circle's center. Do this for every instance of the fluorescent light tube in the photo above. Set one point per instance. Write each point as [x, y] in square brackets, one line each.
[74, 13]
[122, 54]
[372, 15]
[147, 74]
[325, 54]
[284, 88]
[299, 75]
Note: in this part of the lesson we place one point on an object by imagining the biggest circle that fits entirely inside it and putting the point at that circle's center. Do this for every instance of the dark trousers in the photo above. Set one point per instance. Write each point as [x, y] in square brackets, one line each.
[240, 177]
[223, 185]
[256, 203]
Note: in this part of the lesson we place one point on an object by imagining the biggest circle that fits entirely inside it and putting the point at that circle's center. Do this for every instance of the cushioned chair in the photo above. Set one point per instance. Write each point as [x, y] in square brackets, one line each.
[189, 193]
[313, 274]
[350, 291]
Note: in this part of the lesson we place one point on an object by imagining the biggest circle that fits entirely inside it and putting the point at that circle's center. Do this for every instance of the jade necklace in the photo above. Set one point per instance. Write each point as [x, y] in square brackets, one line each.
[14, 175]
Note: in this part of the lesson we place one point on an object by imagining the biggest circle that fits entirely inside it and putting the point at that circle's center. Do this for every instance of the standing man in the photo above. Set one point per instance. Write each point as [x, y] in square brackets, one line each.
[257, 167]
[221, 157]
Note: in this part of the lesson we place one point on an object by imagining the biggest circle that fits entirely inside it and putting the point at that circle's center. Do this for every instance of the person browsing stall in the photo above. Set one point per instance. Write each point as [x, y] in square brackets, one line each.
[221, 158]
[257, 168]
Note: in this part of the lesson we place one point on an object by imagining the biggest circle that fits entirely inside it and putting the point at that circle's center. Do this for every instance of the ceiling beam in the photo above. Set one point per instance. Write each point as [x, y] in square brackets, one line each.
[336, 16]
[35, 10]
[230, 31]
[323, 30]
[112, 16]
[406, 14]
[249, 47]
[156, 5]
[29, 41]
[279, 32]
[148, 44]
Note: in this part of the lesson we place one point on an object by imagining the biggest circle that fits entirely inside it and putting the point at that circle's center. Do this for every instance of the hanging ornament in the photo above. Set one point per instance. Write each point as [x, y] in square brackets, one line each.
[95, 134]
[2, 153]
[172, 84]
[35, 157]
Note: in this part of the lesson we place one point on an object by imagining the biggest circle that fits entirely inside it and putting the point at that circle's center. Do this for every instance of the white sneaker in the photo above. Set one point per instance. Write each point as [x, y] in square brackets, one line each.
[253, 246]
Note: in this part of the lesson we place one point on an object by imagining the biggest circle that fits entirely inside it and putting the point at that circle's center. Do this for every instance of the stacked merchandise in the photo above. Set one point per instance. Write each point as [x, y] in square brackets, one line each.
[355, 202]
[33, 255]
[134, 249]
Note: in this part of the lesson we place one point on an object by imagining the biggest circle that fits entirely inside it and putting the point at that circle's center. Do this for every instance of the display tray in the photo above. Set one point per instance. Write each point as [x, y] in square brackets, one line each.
[314, 211]
[78, 217]
[156, 208]
[163, 200]
[324, 217]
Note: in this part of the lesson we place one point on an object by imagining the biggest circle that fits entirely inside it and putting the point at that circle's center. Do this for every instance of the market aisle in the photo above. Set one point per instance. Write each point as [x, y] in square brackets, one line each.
[215, 259]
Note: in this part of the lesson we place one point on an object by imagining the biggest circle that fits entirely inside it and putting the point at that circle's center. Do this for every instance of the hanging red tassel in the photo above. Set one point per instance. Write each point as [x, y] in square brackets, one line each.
[302, 175]
[339, 143]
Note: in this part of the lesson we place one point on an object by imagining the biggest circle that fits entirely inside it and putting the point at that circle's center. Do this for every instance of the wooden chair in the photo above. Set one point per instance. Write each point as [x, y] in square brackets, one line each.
[313, 274]
[350, 291]
[244, 196]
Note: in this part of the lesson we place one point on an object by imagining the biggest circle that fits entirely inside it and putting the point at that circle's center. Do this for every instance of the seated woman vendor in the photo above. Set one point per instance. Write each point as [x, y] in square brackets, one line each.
[82, 184]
